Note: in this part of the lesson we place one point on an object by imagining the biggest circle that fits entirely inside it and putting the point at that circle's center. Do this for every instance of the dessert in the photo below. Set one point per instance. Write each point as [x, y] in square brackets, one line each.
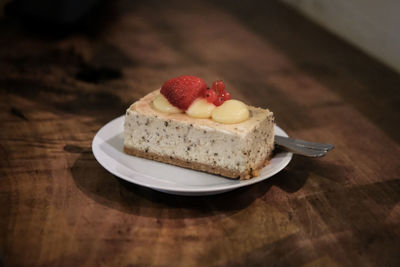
[190, 125]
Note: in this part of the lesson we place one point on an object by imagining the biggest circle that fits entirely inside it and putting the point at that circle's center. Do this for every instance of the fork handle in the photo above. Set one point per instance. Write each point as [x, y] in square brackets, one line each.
[285, 144]
[303, 143]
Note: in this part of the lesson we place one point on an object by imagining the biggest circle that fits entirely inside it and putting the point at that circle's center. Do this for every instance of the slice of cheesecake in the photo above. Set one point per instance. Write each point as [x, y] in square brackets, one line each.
[232, 150]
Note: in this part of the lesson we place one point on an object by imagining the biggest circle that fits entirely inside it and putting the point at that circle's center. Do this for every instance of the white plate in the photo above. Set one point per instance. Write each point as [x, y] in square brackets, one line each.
[107, 147]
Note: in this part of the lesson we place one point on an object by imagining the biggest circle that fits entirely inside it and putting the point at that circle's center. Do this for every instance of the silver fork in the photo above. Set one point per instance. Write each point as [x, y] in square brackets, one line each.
[301, 147]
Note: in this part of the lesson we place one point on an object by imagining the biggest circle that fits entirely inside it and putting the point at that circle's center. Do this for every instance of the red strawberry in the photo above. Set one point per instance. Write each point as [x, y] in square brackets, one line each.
[183, 90]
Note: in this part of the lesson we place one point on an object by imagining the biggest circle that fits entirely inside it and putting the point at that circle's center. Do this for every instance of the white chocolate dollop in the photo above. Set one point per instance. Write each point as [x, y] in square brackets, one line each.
[231, 111]
[200, 108]
[162, 104]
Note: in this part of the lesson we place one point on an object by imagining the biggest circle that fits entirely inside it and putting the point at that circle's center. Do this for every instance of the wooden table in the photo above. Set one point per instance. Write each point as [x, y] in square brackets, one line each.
[59, 207]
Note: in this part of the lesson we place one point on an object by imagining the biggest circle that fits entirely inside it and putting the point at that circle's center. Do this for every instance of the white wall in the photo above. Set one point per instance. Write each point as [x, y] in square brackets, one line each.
[372, 25]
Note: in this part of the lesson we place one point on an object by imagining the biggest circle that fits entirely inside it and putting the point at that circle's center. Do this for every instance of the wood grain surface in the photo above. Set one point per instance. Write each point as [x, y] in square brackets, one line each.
[59, 85]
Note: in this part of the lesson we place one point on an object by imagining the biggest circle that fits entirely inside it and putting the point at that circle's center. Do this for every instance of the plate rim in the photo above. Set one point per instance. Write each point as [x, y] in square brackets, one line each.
[97, 152]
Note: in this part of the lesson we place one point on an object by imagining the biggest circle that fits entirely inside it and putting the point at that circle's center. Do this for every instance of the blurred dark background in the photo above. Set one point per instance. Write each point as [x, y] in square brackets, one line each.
[113, 43]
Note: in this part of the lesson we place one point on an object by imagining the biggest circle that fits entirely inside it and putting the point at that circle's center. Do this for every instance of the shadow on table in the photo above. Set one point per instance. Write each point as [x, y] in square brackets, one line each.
[116, 193]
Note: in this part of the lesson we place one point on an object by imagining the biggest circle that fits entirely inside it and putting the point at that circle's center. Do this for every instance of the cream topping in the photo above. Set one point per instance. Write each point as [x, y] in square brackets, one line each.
[255, 116]
[162, 104]
[231, 111]
[200, 108]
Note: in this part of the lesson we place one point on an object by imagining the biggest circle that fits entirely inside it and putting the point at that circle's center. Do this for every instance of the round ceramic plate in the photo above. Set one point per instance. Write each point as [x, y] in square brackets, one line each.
[107, 147]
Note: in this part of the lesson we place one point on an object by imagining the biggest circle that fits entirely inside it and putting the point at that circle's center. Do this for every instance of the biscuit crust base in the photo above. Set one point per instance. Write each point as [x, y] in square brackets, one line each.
[195, 165]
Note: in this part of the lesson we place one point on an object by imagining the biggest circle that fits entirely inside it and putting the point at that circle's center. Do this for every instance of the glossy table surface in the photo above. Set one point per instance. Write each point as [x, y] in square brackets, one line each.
[59, 207]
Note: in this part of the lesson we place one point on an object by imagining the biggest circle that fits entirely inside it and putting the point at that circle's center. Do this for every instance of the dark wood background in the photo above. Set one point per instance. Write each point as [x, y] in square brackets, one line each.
[58, 86]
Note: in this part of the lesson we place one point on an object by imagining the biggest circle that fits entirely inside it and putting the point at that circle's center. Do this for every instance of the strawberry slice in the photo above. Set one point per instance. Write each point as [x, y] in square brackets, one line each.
[183, 90]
